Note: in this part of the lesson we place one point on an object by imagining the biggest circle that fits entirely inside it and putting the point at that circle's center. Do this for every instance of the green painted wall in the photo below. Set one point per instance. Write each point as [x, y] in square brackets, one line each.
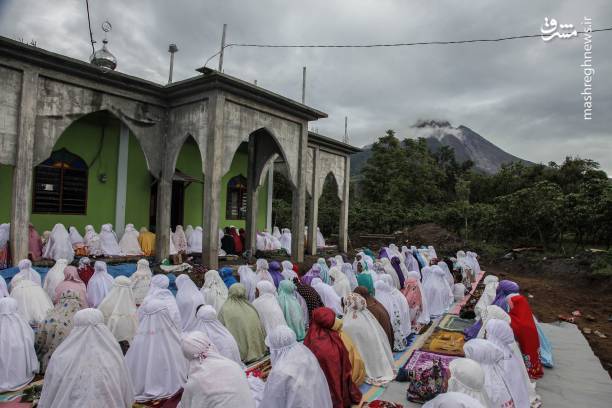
[6, 188]
[138, 186]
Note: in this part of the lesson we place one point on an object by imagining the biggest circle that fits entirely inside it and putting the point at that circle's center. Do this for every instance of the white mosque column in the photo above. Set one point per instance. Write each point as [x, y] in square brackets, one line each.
[344, 207]
[314, 204]
[164, 205]
[252, 189]
[270, 196]
[122, 174]
[23, 172]
[298, 204]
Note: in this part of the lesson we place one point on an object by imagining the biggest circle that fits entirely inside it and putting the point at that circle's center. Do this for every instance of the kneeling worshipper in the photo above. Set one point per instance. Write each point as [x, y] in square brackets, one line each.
[119, 310]
[99, 285]
[378, 311]
[146, 240]
[398, 310]
[141, 281]
[85, 269]
[129, 241]
[35, 245]
[242, 321]
[526, 334]
[275, 272]
[328, 295]
[249, 280]
[262, 271]
[92, 240]
[87, 369]
[108, 241]
[194, 244]
[309, 294]
[467, 377]
[267, 306]
[490, 357]
[413, 292]
[227, 242]
[188, 299]
[288, 272]
[214, 290]
[72, 282]
[33, 303]
[333, 357]
[59, 246]
[453, 400]
[292, 310]
[220, 337]
[340, 282]
[18, 361]
[436, 290]
[56, 326]
[77, 241]
[227, 274]
[296, 378]
[370, 339]
[27, 272]
[159, 290]
[54, 277]
[155, 361]
[214, 381]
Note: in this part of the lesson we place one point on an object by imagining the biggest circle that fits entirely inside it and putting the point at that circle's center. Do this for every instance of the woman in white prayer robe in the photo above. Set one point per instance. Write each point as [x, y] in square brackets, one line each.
[180, 239]
[27, 272]
[438, 293]
[33, 302]
[155, 361]
[370, 340]
[467, 376]
[266, 304]
[214, 381]
[75, 237]
[194, 243]
[249, 279]
[347, 270]
[18, 361]
[188, 298]
[399, 311]
[92, 240]
[54, 277]
[328, 295]
[108, 241]
[141, 280]
[119, 310]
[453, 400]
[129, 241]
[288, 272]
[87, 369]
[159, 291]
[59, 245]
[285, 240]
[218, 334]
[409, 260]
[263, 271]
[340, 282]
[276, 232]
[214, 290]
[3, 288]
[320, 239]
[296, 378]
[99, 285]
[390, 270]
[188, 232]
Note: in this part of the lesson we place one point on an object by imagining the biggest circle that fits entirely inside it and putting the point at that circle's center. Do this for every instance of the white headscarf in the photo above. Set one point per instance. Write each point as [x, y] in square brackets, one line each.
[92, 240]
[195, 240]
[188, 298]
[432, 252]
[490, 358]
[285, 240]
[59, 246]
[262, 270]
[27, 272]
[266, 304]
[341, 283]
[19, 361]
[488, 295]
[119, 310]
[489, 313]
[276, 232]
[129, 244]
[222, 339]
[424, 317]
[320, 239]
[5, 234]
[162, 376]
[288, 272]
[437, 291]
[99, 285]
[213, 381]
[188, 232]
[370, 340]
[180, 239]
[141, 280]
[54, 277]
[75, 236]
[3, 288]
[458, 291]
[328, 295]
[409, 260]
[214, 290]
[453, 400]
[108, 241]
[447, 274]
[395, 303]
[296, 378]
[159, 291]
[87, 368]
[33, 302]
[473, 257]
[249, 280]
[466, 376]
[389, 270]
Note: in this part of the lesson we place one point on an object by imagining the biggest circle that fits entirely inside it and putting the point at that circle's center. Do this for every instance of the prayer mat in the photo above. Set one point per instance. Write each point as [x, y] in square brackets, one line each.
[260, 369]
[445, 342]
[382, 404]
[28, 394]
[426, 375]
[455, 323]
[171, 402]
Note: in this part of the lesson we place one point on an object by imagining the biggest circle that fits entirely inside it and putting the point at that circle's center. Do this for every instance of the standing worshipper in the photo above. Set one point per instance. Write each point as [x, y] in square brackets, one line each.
[288, 272]
[313, 272]
[146, 240]
[267, 306]
[56, 326]
[379, 312]
[54, 277]
[328, 295]
[108, 241]
[296, 379]
[35, 245]
[347, 270]
[333, 357]
[119, 310]
[214, 290]
[33, 302]
[467, 377]
[324, 270]
[5, 251]
[309, 294]
[85, 269]
[141, 280]
[504, 288]
[27, 272]
[291, 309]
[180, 240]
[99, 285]
[72, 282]
[163, 376]
[320, 239]
[398, 310]
[227, 274]
[409, 260]
[242, 233]
[340, 282]
[275, 272]
[370, 339]
[242, 321]
[262, 271]
[285, 240]
[3, 287]
[159, 291]
[437, 291]
[129, 241]
[249, 280]
[92, 241]
[221, 338]
[188, 299]
[18, 361]
[526, 334]
[396, 264]
[214, 381]
[188, 232]
[364, 278]
[59, 245]
[419, 312]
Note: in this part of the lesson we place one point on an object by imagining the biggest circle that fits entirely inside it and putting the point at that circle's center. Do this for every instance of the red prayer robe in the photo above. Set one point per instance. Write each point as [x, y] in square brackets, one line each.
[526, 334]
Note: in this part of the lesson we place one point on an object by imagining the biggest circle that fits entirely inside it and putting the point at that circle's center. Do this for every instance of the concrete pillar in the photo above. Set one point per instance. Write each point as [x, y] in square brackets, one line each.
[252, 184]
[212, 181]
[344, 207]
[298, 205]
[164, 205]
[270, 197]
[314, 204]
[122, 174]
[23, 173]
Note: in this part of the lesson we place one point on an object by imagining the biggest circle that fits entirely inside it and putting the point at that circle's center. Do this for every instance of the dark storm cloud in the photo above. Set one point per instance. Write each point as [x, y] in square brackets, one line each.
[523, 95]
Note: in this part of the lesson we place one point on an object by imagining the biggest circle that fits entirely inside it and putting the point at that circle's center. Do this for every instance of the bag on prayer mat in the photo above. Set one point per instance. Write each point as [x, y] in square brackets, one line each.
[426, 375]
[445, 342]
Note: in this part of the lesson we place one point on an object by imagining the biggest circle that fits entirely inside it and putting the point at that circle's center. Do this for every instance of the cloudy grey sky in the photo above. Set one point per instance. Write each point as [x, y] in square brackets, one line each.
[522, 95]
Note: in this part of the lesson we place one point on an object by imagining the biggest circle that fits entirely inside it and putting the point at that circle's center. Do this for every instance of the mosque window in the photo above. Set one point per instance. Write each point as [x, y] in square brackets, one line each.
[235, 208]
[60, 185]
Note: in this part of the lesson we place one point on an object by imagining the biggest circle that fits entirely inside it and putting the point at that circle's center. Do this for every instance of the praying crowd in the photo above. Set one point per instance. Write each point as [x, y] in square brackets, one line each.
[327, 331]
